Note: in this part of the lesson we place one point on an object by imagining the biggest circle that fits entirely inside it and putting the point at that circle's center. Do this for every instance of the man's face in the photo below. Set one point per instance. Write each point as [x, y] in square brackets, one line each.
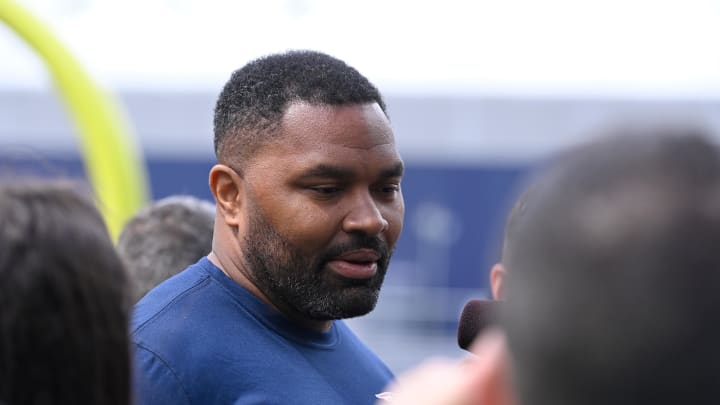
[324, 210]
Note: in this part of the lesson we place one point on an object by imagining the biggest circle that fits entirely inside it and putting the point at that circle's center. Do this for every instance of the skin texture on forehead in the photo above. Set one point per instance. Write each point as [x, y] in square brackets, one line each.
[327, 117]
[307, 130]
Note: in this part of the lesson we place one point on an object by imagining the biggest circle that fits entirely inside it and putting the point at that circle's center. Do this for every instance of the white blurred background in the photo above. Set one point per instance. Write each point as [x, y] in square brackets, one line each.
[613, 47]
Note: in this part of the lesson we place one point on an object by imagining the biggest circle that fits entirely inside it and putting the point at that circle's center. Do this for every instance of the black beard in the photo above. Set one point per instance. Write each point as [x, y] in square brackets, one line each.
[294, 281]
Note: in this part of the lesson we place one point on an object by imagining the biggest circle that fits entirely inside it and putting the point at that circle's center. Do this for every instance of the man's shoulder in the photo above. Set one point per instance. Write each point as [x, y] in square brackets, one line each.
[190, 309]
[159, 304]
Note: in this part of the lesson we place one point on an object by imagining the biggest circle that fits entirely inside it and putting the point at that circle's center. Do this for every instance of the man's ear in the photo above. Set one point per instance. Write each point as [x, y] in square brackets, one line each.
[497, 281]
[226, 186]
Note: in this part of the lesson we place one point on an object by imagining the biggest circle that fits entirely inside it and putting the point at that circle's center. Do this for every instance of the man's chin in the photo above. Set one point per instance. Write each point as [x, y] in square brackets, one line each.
[355, 301]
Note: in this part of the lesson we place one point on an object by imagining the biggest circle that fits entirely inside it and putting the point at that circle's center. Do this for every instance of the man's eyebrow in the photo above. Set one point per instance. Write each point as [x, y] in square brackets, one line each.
[343, 173]
[396, 170]
[328, 171]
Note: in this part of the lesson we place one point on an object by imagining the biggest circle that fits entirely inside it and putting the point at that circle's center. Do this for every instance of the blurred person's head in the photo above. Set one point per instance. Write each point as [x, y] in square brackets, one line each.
[307, 186]
[63, 300]
[613, 293]
[499, 269]
[164, 238]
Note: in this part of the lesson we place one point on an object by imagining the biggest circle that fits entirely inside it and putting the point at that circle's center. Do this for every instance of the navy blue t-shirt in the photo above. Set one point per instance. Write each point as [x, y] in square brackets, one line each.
[201, 338]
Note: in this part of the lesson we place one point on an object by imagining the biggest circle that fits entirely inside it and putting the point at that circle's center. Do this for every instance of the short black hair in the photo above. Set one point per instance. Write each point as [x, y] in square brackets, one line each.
[612, 297]
[254, 100]
[63, 299]
[165, 237]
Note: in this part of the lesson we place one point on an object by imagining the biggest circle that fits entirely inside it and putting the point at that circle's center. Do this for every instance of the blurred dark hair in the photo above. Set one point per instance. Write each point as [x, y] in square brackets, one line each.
[164, 238]
[517, 212]
[612, 297]
[63, 299]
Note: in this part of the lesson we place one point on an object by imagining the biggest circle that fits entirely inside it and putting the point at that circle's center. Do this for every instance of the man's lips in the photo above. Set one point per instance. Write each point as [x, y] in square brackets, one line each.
[359, 256]
[356, 264]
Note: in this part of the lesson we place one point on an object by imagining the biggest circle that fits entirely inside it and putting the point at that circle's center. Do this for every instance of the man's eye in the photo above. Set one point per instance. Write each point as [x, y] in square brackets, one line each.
[326, 189]
[390, 188]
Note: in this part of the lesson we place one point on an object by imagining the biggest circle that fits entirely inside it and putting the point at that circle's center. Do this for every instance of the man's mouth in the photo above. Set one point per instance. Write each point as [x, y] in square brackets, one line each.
[356, 264]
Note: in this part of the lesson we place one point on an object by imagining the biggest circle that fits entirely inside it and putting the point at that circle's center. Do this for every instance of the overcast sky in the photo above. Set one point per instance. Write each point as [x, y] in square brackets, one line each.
[617, 47]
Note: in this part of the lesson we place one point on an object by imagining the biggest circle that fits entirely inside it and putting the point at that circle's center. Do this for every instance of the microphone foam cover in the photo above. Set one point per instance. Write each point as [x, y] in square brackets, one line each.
[475, 317]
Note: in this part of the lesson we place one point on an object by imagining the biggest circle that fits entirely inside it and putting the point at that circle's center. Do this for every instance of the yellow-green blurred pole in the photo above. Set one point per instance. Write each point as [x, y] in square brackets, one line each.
[112, 160]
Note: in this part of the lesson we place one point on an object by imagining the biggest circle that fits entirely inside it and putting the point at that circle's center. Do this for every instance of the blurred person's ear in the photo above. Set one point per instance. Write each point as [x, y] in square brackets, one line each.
[497, 281]
[226, 186]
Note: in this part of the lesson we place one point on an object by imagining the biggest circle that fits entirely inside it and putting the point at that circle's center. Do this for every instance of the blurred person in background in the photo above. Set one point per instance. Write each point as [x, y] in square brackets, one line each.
[309, 209]
[479, 314]
[64, 300]
[499, 270]
[612, 297]
[164, 238]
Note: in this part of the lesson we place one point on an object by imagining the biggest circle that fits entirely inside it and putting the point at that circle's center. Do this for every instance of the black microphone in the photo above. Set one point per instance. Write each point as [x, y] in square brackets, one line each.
[476, 316]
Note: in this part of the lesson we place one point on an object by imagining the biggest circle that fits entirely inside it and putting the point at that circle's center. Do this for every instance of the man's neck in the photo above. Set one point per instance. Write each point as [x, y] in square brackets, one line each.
[236, 272]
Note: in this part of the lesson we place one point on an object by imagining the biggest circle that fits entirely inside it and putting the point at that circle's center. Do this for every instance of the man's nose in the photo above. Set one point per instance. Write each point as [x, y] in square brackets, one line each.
[365, 217]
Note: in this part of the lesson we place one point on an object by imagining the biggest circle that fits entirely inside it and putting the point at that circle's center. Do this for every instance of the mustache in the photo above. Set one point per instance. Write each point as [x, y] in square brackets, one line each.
[358, 242]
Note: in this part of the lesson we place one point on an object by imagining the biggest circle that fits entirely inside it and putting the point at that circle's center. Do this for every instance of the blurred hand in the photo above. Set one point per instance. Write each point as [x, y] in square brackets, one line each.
[479, 380]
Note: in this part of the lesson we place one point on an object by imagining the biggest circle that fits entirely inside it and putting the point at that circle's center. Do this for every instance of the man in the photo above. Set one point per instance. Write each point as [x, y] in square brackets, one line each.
[309, 209]
[164, 238]
[64, 303]
[612, 296]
